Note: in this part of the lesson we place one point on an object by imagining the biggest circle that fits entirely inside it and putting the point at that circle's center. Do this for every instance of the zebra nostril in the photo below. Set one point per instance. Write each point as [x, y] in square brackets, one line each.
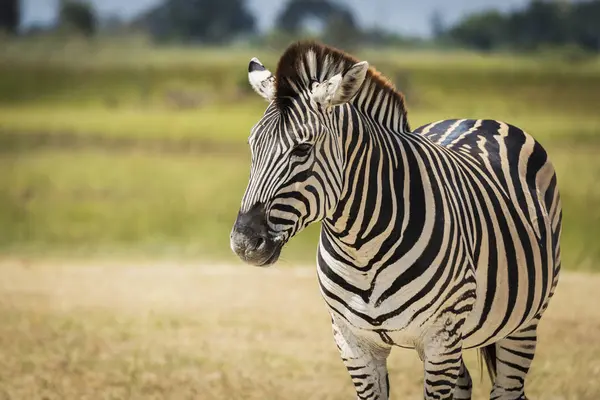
[255, 245]
[260, 242]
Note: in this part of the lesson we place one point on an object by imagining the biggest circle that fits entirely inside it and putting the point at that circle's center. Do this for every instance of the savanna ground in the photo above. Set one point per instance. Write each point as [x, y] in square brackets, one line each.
[121, 171]
[217, 331]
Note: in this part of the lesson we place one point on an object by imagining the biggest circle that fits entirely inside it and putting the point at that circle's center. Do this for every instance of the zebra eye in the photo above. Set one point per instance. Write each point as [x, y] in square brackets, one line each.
[301, 150]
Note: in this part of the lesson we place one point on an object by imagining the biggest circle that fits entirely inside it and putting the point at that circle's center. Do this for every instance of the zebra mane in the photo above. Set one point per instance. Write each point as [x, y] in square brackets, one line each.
[305, 62]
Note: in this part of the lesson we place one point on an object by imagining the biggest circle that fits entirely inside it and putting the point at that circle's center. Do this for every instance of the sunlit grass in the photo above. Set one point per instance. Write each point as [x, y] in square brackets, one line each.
[138, 51]
[111, 154]
[126, 204]
[229, 123]
[174, 205]
[215, 331]
[94, 166]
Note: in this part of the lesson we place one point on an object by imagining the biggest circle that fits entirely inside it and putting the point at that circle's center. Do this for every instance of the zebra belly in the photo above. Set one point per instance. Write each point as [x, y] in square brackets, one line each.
[489, 331]
[406, 316]
[407, 329]
[497, 314]
[409, 337]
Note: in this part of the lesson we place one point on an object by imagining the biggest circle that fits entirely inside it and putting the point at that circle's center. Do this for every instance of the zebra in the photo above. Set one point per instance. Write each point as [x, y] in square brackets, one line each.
[438, 239]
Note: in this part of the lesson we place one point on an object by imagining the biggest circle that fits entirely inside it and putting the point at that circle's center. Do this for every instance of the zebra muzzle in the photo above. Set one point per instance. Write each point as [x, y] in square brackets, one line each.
[250, 238]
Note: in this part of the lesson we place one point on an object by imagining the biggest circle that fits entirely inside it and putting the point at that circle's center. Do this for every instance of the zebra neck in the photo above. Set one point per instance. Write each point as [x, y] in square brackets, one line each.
[382, 106]
[364, 221]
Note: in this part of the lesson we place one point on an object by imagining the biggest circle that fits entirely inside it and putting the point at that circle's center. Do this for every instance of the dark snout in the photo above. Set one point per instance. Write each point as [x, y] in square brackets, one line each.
[250, 238]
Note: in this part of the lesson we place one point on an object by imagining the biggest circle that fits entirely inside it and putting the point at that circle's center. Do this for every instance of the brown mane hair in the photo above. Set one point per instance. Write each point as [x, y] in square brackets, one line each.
[305, 62]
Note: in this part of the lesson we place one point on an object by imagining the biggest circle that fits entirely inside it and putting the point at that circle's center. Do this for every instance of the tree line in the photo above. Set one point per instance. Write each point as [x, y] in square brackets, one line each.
[74, 15]
[542, 23]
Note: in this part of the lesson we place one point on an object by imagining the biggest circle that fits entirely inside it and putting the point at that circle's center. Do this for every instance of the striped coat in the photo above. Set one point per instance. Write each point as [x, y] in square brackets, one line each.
[440, 239]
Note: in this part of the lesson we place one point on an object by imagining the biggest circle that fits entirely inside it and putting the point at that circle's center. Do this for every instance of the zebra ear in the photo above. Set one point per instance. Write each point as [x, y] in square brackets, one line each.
[341, 88]
[261, 79]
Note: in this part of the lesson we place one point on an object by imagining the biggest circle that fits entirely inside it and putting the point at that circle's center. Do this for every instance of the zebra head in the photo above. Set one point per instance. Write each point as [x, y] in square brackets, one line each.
[297, 152]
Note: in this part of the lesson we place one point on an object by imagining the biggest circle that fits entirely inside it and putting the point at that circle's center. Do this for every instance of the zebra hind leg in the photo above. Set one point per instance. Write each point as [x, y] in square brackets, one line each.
[514, 355]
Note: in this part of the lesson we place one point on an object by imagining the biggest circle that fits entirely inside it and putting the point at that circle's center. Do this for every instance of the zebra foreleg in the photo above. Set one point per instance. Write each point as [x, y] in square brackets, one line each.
[514, 355]
[464, 384]
[441, 352]
[365, 361]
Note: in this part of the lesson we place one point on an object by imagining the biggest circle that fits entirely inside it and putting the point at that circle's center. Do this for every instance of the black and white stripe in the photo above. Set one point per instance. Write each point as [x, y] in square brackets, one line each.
[440, 239]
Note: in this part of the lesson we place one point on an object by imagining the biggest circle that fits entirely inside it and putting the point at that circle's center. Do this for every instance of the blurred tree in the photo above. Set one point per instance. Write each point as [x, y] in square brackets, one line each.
[438, 27]
[377, 37]
[10, 15]
[542, 24]
[78, 16]
[586, 24]
[111, 23]
[342, 32]
[340, 28]
[483, 31]
[199, 20]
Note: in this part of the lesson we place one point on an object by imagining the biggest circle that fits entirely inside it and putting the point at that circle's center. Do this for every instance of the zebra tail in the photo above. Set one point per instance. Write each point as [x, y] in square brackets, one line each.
[489, 356]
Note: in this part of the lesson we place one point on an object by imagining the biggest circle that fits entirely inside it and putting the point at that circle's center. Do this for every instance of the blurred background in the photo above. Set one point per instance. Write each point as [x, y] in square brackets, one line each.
[123, 125]
[123, 159]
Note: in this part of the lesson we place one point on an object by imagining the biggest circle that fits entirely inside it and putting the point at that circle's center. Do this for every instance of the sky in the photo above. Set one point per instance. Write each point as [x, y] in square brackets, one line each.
[409, 17]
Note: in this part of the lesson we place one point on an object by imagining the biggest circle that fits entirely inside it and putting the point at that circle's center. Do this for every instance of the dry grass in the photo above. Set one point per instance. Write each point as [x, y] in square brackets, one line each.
[99, 331]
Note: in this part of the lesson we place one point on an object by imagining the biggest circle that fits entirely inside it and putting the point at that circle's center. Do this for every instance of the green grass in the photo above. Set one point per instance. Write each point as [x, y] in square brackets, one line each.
[109, 151]
[127, 203]
[59, 199]
[139, 204]
[205, 124]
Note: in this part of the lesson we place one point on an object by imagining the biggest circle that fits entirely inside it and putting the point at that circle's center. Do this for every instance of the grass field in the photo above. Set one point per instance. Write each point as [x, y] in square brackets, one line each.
[215, 331]
[113, 152]
[121, 172]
